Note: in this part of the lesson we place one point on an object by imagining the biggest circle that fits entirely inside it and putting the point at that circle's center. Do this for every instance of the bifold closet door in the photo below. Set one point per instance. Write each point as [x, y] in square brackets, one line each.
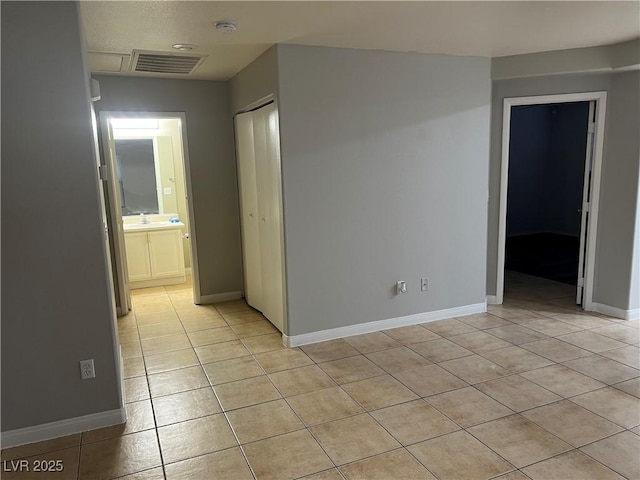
[259, 172]
[249, 210]
[269, 185]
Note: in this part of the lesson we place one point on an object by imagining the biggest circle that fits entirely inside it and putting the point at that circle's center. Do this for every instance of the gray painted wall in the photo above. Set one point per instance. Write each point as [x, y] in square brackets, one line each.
[56, 303]
[379, 185]
[617, 224]
[258, 80]
[619, 174]
[212, 160]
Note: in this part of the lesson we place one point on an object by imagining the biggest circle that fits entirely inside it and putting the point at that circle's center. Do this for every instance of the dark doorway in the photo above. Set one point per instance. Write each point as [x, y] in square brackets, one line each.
[547, 151]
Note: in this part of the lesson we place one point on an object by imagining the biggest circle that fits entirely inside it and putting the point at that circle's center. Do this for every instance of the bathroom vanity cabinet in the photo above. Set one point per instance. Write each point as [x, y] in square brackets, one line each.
[154, 254]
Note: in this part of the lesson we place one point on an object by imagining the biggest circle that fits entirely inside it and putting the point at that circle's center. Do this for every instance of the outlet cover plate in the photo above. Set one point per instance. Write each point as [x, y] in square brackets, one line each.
[87, 369]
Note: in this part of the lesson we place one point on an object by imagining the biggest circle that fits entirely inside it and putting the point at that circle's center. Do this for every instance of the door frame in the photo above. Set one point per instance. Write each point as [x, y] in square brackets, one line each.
[600, 99]
[120, 260]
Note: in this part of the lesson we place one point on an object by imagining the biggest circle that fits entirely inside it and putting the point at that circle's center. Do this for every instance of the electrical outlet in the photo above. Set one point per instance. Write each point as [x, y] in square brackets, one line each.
[401, 286]
[87, 369]
[424, 284]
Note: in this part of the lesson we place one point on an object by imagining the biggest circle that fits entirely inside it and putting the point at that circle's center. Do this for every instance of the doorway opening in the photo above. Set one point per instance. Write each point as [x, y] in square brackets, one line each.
[149, 207]
[551, 162]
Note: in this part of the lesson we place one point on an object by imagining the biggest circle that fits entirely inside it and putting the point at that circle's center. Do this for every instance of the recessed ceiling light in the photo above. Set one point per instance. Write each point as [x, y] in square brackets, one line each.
[185, 47]
[226, 26]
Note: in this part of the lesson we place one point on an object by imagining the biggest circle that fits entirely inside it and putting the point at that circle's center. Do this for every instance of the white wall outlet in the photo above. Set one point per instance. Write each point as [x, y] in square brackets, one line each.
[87, 369]
[424, 284]
[401, 286]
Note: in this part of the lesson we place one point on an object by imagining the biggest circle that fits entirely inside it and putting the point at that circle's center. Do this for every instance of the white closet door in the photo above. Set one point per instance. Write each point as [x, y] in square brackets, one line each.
[273, 176]
[266, 139]
[249, 210]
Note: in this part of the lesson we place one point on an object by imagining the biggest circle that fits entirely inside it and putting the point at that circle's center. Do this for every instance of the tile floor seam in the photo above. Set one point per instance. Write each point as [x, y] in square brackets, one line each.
[400, 448]
[594, 378]
[344, 418]
[589, 410]
[482, 443]
[526, 379]
[452, 338]
[595, 413]
[578, 450]
[422, 463]
[475, 424]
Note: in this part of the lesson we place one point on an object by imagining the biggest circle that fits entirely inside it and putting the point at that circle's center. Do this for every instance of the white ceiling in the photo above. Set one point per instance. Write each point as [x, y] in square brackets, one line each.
[478, 28]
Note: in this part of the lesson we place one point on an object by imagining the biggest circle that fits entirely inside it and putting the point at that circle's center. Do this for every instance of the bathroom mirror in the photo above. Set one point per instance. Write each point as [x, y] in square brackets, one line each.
[146, 175]
[136, 165]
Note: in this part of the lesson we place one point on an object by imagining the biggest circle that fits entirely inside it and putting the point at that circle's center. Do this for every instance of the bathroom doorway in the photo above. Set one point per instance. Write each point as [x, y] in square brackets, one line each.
[151, 231]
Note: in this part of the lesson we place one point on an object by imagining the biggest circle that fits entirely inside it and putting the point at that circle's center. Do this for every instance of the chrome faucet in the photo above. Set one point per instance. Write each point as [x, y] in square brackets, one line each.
[143, 218]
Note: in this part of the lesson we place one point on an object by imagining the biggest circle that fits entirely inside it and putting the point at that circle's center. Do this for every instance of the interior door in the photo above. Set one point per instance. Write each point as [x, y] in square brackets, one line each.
[249, 209]
[273, 178]
[114, 219]
[269, 208]
[262, 190]
[586, 203]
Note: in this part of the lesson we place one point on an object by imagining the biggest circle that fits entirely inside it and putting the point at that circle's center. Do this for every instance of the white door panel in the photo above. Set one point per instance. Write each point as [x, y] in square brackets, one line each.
[260, 184]
[586, 194]
[249, 210]
[115, 219]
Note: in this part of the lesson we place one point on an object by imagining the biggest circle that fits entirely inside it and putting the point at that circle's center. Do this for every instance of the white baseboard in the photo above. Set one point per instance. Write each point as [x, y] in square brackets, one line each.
[350, 330]
[616, 312]
[492, 300]
[61, 428]
[220, 297]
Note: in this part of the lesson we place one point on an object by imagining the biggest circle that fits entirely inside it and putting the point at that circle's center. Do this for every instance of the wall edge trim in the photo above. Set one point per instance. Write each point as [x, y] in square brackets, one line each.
[69, 426]
[378, 325]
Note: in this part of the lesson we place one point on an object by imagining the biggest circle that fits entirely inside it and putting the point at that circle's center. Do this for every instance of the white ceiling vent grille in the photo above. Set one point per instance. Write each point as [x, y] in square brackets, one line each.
[163, 62]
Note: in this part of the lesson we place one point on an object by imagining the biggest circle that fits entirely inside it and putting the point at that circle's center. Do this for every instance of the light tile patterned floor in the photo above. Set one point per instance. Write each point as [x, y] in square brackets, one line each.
[535, 388]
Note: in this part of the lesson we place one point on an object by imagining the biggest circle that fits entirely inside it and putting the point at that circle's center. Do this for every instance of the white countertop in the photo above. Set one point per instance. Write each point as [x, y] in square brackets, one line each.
[143, 227]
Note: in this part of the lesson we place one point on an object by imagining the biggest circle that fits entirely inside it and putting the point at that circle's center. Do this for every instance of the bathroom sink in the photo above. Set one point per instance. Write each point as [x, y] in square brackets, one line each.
[128, 227]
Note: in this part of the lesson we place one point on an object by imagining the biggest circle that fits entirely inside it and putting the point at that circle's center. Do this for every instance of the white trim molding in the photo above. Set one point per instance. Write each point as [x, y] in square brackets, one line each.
[616, 312]
[492, 300]
[47, 431]
[220, 297]
[378, 325]
[601, 102]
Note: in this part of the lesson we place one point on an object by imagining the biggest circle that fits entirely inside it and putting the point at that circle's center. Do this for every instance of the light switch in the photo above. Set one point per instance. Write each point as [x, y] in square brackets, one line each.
[167, 190]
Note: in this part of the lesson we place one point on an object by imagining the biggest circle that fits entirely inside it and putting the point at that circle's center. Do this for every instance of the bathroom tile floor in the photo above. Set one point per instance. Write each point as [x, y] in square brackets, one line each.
[535, 388]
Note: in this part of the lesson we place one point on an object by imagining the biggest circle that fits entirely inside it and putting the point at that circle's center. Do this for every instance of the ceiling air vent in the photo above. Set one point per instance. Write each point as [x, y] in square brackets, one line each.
[163, 62]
